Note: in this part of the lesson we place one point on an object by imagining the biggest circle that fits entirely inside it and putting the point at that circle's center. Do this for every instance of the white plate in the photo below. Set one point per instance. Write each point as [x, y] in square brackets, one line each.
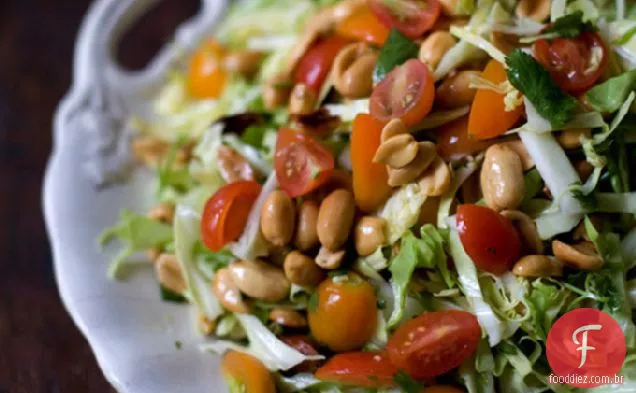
[132, 332]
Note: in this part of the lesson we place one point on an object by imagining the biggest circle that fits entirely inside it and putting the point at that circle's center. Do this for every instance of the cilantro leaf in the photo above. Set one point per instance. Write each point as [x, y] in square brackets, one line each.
[406, 383]
[608, 96]
[569, 26]
[396, 50]
[534, 81]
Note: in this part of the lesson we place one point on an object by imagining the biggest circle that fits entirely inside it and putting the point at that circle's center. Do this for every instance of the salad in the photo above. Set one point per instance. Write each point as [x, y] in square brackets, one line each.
[395, 196]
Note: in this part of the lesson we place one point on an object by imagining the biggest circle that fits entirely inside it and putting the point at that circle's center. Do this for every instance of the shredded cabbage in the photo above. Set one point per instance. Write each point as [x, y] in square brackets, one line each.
[263, 345]
[402, 210]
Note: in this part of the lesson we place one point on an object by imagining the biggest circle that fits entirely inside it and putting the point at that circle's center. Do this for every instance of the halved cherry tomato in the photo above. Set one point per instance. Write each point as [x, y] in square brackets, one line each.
[301, 163]
[206, 77]
[363, 369]
[434, 342]
[225, 213]
[313, 68]
[489, 238]
[407, 92]
[363, 26]
[246, 373]
[412, 18]
[574, 63]
[346, 314]
[370, 180]
[454, 142]
[488, 116]
[305, 346]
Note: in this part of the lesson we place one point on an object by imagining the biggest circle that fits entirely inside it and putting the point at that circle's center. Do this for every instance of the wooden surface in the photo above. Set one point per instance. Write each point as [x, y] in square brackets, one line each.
[40, 348]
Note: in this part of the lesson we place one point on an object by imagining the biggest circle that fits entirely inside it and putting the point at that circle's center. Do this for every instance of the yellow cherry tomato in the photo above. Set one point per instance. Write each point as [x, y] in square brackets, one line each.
[345, 317]
[245, 373]
[206, 77]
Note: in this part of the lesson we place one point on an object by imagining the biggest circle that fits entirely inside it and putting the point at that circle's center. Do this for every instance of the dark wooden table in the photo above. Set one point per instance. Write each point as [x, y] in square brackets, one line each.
[40, 348]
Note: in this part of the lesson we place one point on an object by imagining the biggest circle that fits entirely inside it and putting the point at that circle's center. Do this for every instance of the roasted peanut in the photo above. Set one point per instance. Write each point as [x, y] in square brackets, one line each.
[306, 236]
[428, 211]
[335, 218]
[393, 128]
[434, 47]
[582, 256]
[425, 156]
[571, 139]
[353, 70]
[455, 91]
[397, 152]
[228, 293]
[302, 270]
[328, 259]
[370, 233]
[288, 318]
[163, 212]
[245, 62]
[260, 280]
[277, 218]
[504, 42]
[584, 169]
[518, 147]
[537, 10]
[233, 166]
[169, 274]
[276, 92]
[436, 180]
[538, 266]
[302, 100]
[501, 178]
[206, 326]
[153, 253]
[528, 230]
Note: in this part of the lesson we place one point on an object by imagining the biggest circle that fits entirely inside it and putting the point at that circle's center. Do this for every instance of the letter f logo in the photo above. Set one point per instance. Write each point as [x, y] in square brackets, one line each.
[584, 347]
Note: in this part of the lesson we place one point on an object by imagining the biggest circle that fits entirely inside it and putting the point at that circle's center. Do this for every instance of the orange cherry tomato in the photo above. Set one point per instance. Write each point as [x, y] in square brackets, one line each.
[370, 180]
[247, 372]
[411, 18]
[489, 238]
[453, 141]
[434, 343]
[346, 314]
[225, 213]
[488, 116]
[315, 65]
[407, 92]
[363, 369]
[571, 61]
[301, 163]
[363, 26]
[206, 77]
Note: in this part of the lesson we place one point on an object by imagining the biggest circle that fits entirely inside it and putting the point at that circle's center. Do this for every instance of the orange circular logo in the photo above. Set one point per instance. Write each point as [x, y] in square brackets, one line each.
[586, 348]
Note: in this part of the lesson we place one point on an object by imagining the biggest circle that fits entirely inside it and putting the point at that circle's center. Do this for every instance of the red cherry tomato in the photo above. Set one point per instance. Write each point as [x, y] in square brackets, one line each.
[305, 346]
[489, 238]
[434, 343]
[453, 140]
[314, 66]
[411, 18]
[363, 369]
[225, 213]
[406, 92]
[301, 163]
[574, 63]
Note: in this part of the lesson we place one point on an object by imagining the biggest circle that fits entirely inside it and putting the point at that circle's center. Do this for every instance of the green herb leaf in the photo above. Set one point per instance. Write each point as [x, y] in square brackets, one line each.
[534, 81]
[396, 50]
[570, 26]
[170, 175]
[406, 383]
[312, 305]
[610, 95]
[170, 296]
[625, 38]
[253, 135]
